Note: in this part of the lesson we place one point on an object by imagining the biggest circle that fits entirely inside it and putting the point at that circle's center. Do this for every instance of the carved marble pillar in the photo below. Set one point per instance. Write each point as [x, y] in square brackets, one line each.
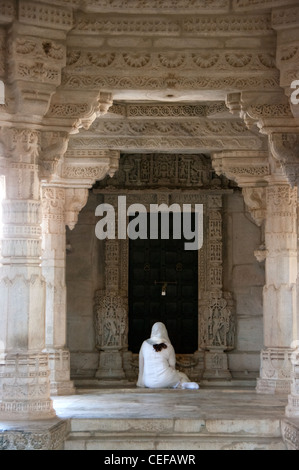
[217, 333]
[57, 209]
[64, 195]
[273, 205]
[292, 409]
[216, 307]
[111, 314]
[24, 368]
[280, 289]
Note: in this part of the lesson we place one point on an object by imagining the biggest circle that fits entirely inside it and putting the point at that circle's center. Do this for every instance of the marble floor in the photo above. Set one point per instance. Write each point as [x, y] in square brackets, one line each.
[132, 418]
[145, 419]
[144, 403]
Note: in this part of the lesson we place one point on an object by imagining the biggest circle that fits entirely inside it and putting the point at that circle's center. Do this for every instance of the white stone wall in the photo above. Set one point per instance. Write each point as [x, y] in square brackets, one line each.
[245, 277]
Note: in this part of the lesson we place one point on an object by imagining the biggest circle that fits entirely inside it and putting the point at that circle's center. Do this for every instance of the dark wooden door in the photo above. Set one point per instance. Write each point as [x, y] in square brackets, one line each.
[151, 262]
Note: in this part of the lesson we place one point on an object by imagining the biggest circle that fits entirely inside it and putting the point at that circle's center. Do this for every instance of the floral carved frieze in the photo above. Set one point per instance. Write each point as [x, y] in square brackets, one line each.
[164, 143]
[159, 68]
[268, 81]
[168, 127]
[151, 6]
[174, 26]
[169, 110]
[218, 60]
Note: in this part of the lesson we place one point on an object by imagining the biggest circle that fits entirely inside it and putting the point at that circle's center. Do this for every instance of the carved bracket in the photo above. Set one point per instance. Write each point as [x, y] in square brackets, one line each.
[255, 200]
[285, 148]
[75, 200]
[243, 167]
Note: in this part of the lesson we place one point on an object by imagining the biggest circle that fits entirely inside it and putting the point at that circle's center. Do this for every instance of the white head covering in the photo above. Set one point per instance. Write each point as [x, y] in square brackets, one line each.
[159, 334]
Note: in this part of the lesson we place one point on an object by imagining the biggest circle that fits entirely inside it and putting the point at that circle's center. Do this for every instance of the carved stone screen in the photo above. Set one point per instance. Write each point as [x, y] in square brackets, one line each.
[163, 286]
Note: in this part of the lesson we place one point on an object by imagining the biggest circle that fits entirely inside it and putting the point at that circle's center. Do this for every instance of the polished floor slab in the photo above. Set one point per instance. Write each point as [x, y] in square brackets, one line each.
[132, 418]
[144, 403]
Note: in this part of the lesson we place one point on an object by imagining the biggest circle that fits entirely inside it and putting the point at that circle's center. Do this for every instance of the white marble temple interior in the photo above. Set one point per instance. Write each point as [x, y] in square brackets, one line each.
[129, 103]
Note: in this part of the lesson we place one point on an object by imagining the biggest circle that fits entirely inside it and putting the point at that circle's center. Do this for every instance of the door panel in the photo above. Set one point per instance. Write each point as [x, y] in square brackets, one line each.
[160, 260]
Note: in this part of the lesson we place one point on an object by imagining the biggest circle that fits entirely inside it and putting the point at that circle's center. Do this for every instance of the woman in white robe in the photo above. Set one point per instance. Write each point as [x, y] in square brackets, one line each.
[157, 362]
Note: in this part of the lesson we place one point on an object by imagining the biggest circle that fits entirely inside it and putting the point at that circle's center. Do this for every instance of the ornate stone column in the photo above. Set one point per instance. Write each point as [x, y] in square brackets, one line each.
[216, 307]
[54, 200]
[24, 368]
[280, 289]
[111, 312]
[63, 198]
[272, 203]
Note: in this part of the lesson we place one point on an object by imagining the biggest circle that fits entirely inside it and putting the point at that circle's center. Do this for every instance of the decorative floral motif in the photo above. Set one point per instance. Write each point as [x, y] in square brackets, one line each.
[136, 60]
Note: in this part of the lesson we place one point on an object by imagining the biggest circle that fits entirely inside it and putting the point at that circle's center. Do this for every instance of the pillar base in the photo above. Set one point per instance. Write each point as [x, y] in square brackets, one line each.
[276, 367]
[216, 365]
[33, 436]
[110, 365]
[59, 364]
[292, 409]
[25, 387]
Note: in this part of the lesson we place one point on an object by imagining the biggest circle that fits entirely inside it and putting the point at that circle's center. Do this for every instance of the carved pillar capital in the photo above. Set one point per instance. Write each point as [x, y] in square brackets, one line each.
[272, 113]
[275, 119]
[285, 148]
[53, 147]
[77, 109]
[246, 167]
[70, 117]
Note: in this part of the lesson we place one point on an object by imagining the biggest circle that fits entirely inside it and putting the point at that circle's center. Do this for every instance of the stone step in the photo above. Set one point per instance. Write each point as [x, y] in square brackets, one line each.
[252, 427]
[176, 442]
[174, 434]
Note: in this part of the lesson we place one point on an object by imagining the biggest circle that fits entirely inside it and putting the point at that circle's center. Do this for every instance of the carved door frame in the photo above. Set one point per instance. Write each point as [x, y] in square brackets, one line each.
[211, 346]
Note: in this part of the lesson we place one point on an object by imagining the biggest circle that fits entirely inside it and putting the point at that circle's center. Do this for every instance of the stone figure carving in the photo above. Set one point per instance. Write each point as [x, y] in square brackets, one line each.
[111, 321]
[218, 322]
